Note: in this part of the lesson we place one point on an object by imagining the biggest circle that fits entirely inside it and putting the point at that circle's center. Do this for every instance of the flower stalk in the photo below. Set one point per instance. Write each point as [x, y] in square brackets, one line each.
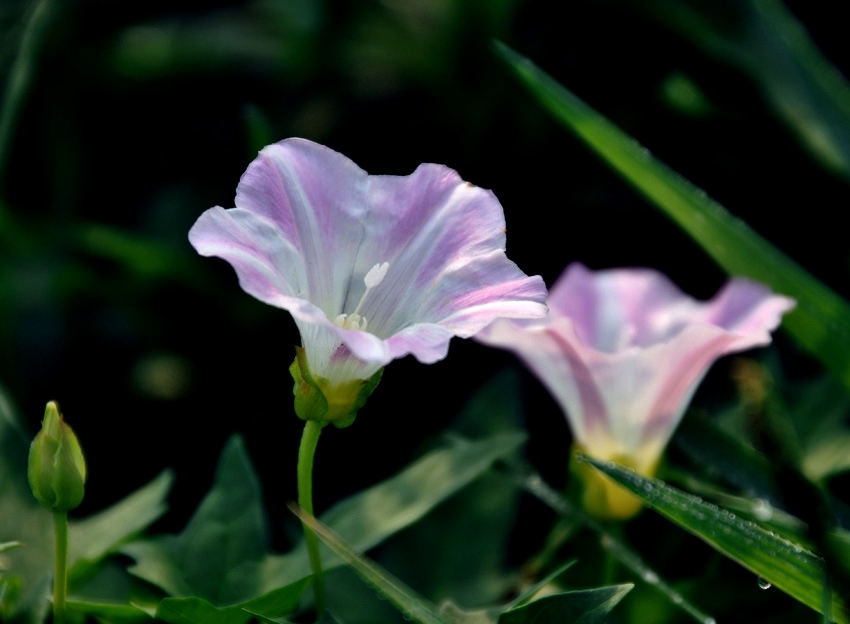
[306, 453]
[60, 570]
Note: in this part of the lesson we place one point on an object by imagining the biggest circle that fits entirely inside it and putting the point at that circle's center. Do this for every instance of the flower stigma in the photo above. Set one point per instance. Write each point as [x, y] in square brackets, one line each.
[354, 320]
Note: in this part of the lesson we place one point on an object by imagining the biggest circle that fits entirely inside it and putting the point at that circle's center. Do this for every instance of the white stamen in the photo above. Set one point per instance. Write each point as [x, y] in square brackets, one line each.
[354, 321]
[376, 275]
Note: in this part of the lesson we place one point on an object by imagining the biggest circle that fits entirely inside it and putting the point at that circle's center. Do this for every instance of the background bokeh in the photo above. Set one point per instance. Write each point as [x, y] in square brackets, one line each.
[137, 116]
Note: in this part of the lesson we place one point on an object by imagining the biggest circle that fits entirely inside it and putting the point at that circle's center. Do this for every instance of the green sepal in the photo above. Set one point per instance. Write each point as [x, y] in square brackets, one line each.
[310, 401]
[56, 468]
[316, 399]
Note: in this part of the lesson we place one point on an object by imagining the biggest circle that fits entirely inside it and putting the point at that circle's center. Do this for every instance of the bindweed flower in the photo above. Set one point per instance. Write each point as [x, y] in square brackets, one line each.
[372, 268]
[56, 469]
[622, 351]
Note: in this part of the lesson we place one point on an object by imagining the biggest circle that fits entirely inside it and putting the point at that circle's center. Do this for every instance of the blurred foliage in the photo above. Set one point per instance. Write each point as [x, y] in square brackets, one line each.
[120, 122]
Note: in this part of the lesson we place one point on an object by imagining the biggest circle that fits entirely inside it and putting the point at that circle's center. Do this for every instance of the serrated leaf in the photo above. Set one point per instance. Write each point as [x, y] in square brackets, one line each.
[366, 519]
[821, 320]
[586, 606]
[194, 610]
[411, 604]
[783, 563]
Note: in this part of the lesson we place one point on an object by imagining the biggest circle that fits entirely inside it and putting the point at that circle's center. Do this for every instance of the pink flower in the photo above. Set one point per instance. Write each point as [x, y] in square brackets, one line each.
[372, 268]
[623, 351]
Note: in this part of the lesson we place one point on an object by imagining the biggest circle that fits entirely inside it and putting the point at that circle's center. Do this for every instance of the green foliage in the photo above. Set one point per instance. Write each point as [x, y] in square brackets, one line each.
[368, 518]
[220, 566]
[589, 606]
[821, 320]
[584, 607]
[218, 556]
[465, 561]
[92, 539]
[193, 610]
[106, 612]
[788, 565]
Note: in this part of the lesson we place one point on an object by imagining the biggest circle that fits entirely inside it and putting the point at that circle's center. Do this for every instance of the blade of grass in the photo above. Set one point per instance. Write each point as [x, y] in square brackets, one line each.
[534, 484]
[821, 320]
[785, 564]
[403, 597]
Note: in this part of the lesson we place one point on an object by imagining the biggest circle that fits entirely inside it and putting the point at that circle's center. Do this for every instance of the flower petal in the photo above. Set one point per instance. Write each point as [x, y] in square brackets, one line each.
[310, 226]
[624, 350]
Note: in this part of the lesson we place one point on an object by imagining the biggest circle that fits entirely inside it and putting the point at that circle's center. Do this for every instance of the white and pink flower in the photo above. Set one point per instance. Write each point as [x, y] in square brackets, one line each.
[372, 268]
[623, 350]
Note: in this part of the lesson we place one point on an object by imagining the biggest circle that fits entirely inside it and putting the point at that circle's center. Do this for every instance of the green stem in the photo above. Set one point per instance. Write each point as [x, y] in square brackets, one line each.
[309, 440]
[60, 574]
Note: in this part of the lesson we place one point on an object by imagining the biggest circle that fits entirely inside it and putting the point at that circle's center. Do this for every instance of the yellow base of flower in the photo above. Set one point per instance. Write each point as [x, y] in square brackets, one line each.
[319, 400]
[603, 498]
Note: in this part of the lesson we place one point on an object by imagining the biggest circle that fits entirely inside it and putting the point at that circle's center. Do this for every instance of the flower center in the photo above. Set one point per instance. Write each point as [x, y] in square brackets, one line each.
[354, 320]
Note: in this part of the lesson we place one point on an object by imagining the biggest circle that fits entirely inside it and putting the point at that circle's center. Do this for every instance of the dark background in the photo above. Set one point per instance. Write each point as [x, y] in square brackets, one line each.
[141, 115]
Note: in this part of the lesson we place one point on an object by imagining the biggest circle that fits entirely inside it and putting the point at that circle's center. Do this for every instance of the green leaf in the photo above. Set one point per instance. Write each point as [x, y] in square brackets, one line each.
[194, 610]
[95, 537]
[218, 555]
[821, 320]
[587, 606]
[112, 613]
[9, 546]
[368, 518]
[411, 604]
[465, 561]
[534, 484]
[24, 520]
[189, 565]
[781, 562]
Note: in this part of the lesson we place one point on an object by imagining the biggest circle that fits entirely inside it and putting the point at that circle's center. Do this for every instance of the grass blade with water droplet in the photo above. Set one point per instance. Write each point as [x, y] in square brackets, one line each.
[776, 560]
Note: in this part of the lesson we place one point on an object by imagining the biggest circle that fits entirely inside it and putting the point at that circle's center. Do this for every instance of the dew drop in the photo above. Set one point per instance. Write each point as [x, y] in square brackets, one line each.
[764, 583]
[650, 577]
[762, 510]
[709, 620]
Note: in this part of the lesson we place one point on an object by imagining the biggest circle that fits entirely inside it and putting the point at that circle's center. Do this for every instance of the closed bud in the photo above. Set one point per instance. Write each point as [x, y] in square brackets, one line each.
[57, 469]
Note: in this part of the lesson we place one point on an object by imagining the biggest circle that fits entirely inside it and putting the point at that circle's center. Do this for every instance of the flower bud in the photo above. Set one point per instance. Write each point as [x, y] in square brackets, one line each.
[324, 402]
[57, 469]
